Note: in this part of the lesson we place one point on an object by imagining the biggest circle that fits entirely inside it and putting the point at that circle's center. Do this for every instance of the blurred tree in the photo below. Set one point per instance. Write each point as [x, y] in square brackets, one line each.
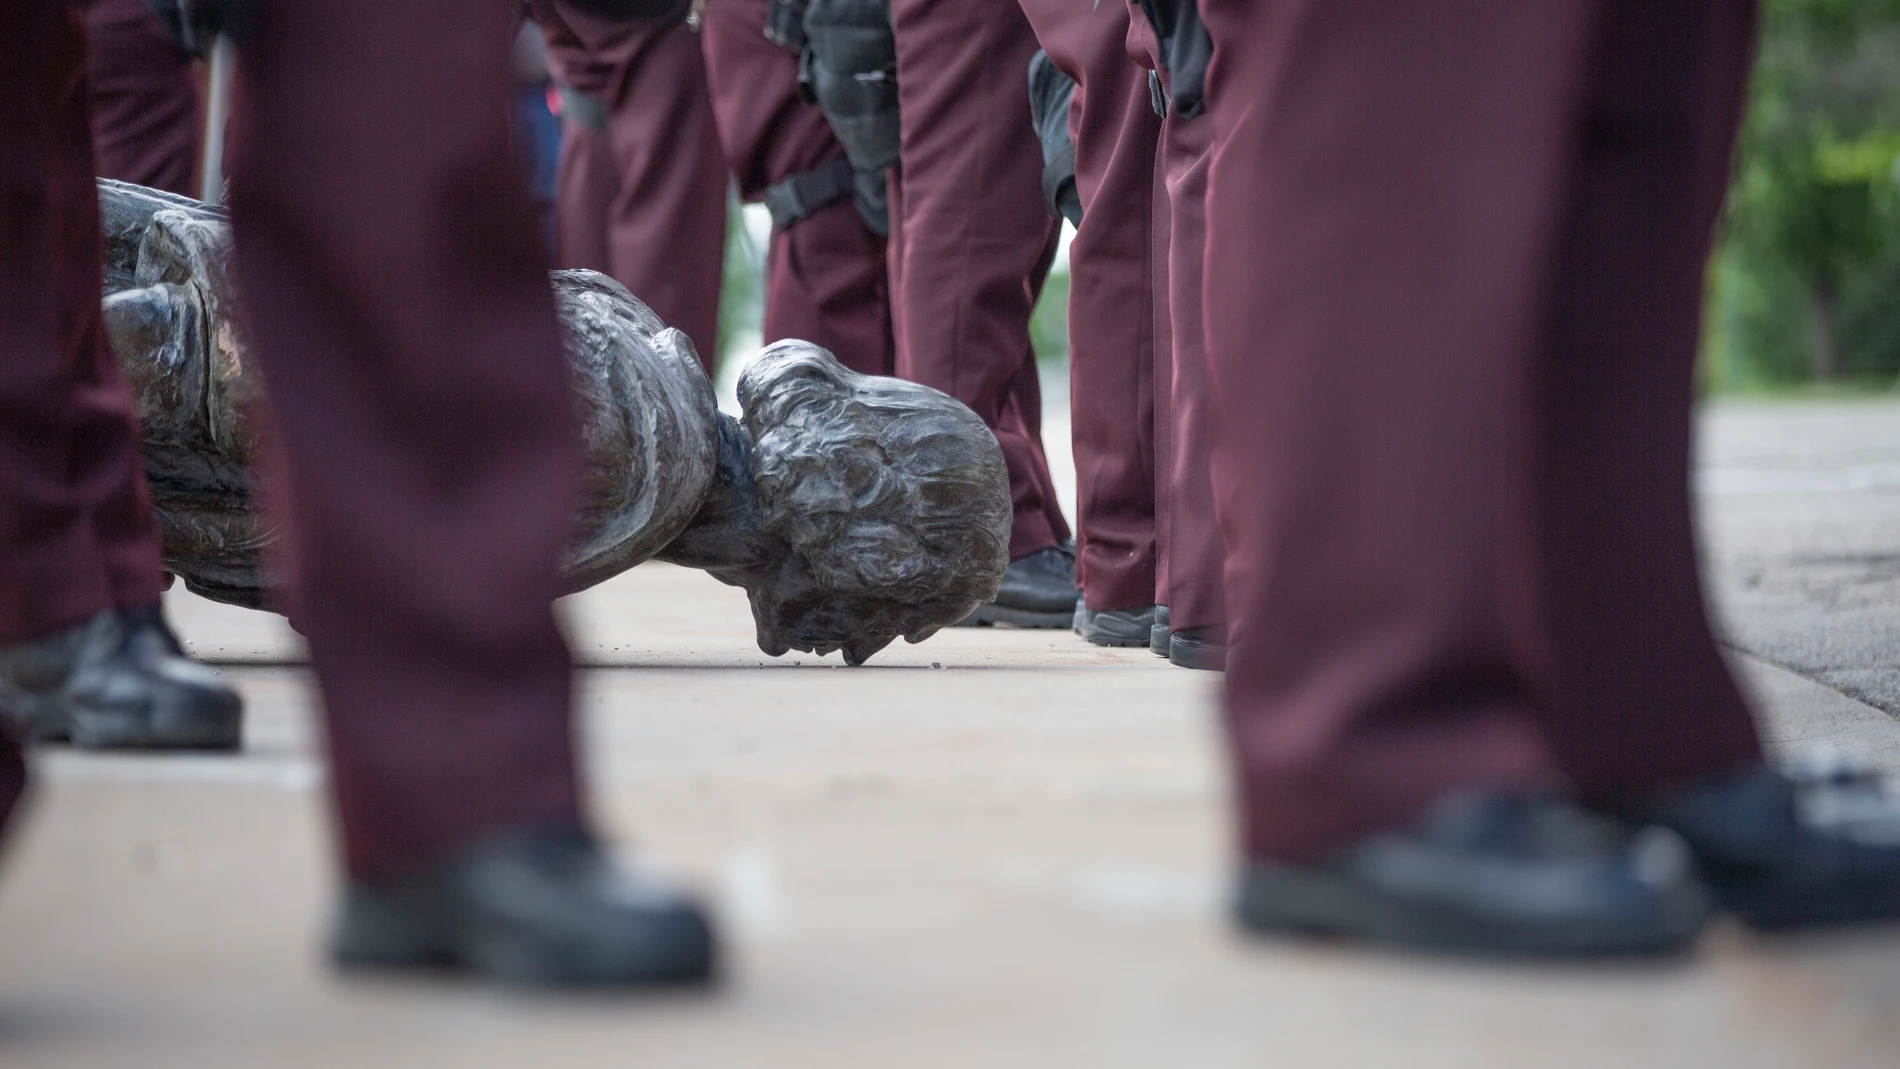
[1807, 284]
[1049, 325]
[742, 294]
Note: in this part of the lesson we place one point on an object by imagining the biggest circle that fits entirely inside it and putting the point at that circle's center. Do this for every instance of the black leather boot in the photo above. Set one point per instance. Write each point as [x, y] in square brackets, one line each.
[1038, 591]
[1807, 845]
[1203, 648]
[535, 908]
[1493, 874]
[118, 681]
[1160, 636]
[1115, 627]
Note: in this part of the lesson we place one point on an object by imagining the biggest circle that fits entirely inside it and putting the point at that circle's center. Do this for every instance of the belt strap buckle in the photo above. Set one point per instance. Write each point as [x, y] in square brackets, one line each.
[799, 195]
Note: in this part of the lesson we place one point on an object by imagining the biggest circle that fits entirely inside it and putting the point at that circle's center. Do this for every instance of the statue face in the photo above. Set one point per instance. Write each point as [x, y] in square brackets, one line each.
[891, 498]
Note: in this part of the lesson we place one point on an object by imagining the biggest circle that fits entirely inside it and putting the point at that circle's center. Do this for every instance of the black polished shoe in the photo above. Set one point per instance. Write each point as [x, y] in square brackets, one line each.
[1491, 874]
[1115, 627]
[1808, 845]
[533, 908]
[1204, 648]
[1038, 591]
[1159, 635]
[118, 681]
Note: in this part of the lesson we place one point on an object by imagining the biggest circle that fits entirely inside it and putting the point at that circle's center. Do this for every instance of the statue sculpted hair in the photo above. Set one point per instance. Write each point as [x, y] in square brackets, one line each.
[886, 489]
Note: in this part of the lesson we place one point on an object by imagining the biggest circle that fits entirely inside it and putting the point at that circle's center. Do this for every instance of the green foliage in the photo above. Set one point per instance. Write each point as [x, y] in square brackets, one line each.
[742, 292]
[1806, 284]
[1049, 325]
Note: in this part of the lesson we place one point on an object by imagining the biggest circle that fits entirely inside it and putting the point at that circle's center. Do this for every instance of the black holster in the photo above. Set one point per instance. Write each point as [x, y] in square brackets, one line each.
[785, 25]
[1050, 92]
[850, 70]
[1185, 52]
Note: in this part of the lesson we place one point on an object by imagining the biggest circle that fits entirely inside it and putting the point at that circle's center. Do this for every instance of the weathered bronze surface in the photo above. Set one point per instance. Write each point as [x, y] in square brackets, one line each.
[851, 508]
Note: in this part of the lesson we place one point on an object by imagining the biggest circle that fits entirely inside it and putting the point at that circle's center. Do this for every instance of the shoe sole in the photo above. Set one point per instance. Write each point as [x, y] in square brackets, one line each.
[1098, 635]
[1784, 909]
[379, 938]
[1160, 640]
[1283, 901]
[1197, 656]
[993, 614]
[680, 957]
[213, 725]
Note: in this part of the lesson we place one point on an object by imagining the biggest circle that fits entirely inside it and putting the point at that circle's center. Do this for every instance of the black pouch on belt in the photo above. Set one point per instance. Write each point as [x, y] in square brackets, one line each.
[850, 69]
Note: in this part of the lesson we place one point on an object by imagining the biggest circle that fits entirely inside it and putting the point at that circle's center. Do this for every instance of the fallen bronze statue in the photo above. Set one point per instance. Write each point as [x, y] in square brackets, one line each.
[851, 508]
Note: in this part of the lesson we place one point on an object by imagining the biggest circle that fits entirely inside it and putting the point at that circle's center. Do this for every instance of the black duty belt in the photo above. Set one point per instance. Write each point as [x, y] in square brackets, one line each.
[800, 195]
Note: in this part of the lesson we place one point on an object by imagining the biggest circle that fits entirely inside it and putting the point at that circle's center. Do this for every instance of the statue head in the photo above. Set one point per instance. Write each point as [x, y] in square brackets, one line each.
[891, 499]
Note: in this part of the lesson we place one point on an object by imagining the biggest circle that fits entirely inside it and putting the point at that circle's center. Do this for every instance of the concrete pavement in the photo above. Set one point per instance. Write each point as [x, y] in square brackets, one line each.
[998, 848]
[1804, 524]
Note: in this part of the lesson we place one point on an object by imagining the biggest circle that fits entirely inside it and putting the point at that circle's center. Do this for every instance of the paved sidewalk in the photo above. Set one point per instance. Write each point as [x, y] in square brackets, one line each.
[999, 848]
[1804, 522]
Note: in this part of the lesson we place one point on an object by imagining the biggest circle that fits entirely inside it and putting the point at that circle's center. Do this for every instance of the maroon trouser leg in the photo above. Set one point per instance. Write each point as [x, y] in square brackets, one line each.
[1191, 557]
[397, 298]
[644, 198]
[826, 280]
[971, 241]
[1159, 245]
[76, 531]
[1454, 270]
[1196, 590]
[1112, 280]
[144, 98]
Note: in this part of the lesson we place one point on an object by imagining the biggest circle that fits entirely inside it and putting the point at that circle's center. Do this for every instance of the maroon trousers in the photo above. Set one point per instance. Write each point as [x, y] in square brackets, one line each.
[144, 95]
[826, 280]
[1112, 281]
[396, 295]
[1454, 267]
[76, 531]
[1190, 557]
[970, 240]
[640, 190]
[1196, 589]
